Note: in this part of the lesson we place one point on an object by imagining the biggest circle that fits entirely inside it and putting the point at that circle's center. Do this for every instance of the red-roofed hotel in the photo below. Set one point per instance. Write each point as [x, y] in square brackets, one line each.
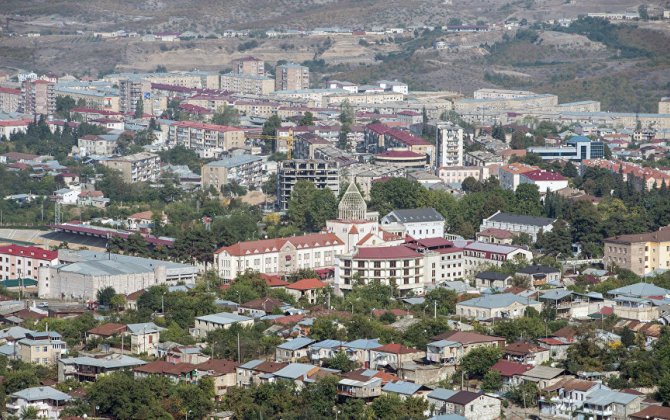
[23, 261]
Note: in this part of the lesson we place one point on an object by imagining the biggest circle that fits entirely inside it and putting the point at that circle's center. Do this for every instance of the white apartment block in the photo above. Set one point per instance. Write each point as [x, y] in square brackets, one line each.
[449, 141]
[23, 261]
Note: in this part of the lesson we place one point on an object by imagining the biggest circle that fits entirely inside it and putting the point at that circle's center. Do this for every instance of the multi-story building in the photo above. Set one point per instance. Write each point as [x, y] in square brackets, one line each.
[478, 254]
[518, 223]
[380, 137]
[291, 76]
[640, 253]
[279, 256]
[458, 174]
[323, 174]
[37, 97]
[42, 348]
[9, 127]
[418, 223]
[140, 167]
[244, 169]
[544, 180]
[249, 65]
[578, 148]
[132, 90]
[23, 261]
[208, 140]
[449, 144]
[482, 158]
[397, 265]
[10, 99]
[97, 144]
[509, 175]
[503, 305]
[247, 83]
[222, 320]
[641, 177]
[47, 402]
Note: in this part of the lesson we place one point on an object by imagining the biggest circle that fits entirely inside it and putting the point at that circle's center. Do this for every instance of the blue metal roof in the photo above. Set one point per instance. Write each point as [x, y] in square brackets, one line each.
[294, 370]
[251, 364]
[442, 394]
[405, 388]
[40, 393]
[498, 301]
[640, 290]
[363, 344]
[327, 344]
[296, 343]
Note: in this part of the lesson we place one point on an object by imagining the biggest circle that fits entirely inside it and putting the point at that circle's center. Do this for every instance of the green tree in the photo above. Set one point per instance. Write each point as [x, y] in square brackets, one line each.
[479, 361]
[226, 115]
[527, 199]
[525, 395]
[396, 193]
[309, 207]
[341, 362]
[492, 381]
[307, 119]
[139, 108]
[627, 337]
[64, 104]
[105, 295]
[271, 125]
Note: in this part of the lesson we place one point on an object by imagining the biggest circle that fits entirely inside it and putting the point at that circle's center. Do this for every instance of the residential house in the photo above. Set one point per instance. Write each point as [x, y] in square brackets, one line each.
[224, 373]
[255, 372]
[359, 350]
[539, 275]
[308, 289]
[503, 305]
[42, 348]
[394, 356]
[451, 346]
[207, 323]
[326, 349]
[417, 223]
[639, 301]
[518, 224]
[496, 236]
[47, 401]
[85, 368]
[186, 354]
[437, 401]
[293, 350]
[510, 373]
[566, 397]
[175, 372]
[260, 307]
[613, 405]
[356, 385]
[144, 337]
[105, 331]
[478, 254]
[652, 412]
[302, 373]
[492, 280]
[475, 406]
[543, 376]
[404, 389]
[527, 353]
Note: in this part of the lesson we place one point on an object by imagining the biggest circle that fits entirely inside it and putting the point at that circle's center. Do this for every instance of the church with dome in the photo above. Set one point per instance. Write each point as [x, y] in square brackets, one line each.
[355, 226]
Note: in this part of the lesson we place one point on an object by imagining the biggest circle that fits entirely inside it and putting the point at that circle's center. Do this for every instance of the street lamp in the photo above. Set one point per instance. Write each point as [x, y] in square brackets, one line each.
[187, 413]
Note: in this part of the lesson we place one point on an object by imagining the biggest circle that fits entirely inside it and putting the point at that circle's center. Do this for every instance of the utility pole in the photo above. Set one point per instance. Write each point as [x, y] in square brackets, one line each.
[238, 348]
[434, 309]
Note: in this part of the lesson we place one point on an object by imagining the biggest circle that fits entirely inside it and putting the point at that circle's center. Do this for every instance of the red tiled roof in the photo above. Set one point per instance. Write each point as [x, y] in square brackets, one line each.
[396, 349]
[273, 280]
[397, 312]
[387, 252]
[307, 284]
[542, 175]
[508, 368]
[399, 135]
[163, 367]
[136, 295]
[14, 123]
[10, 90]
[147, 215]
[288, 319]
[91, 194]
[467, 337]
[572, 384]
[655, 412]
[263, 246]
[205, 126]
[84, 110]
[398, 154]
[107, 330]
[521, 348]
[219, 366]
[29, 252]
[263, 304]
[270, 367]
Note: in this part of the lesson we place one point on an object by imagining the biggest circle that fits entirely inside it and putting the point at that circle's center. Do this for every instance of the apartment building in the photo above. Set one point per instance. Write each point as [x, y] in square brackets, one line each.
[640, 253]
[449, 144]
[279, 256]
[518, 223]
[131, 91]
[393, 264]
[323, 174]
[9, 127]
[244, 169]
[482, 158]
[544, 180]
[247, 83]
[140, 167]
[380, 137]
[478, 254]
[363, 100]
[641, 177]
[458, 174]
[18, 261]
[97, 144]
[291, 76]
[208, 140]
[10, 99]
[37, 97]
[249, 65]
